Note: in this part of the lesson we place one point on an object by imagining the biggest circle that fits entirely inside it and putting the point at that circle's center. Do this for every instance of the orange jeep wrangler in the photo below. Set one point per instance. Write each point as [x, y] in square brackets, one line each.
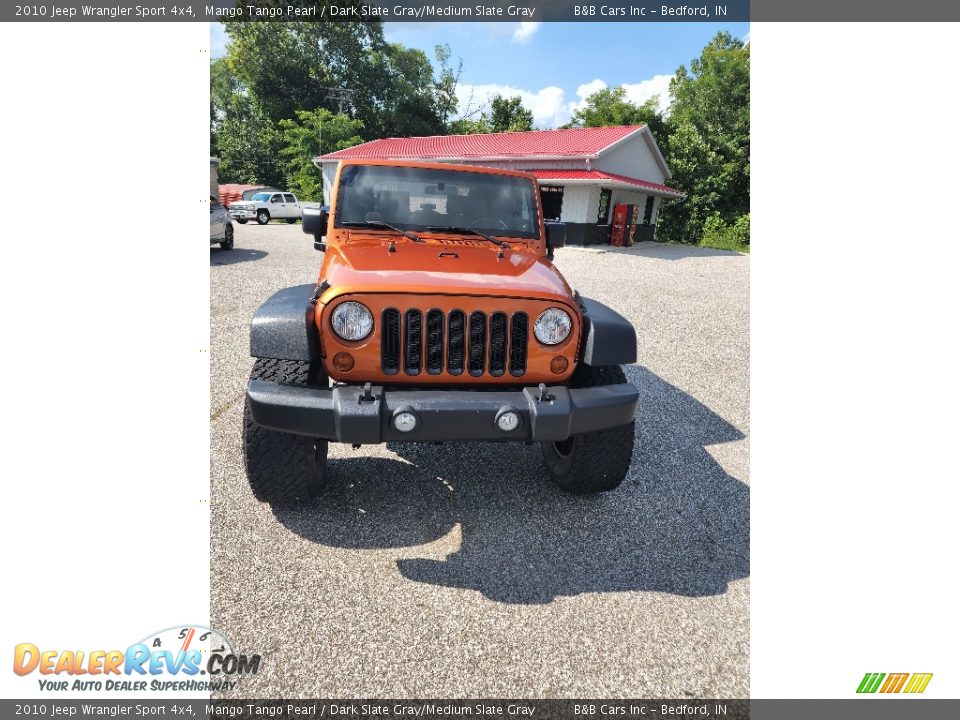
[438, 315]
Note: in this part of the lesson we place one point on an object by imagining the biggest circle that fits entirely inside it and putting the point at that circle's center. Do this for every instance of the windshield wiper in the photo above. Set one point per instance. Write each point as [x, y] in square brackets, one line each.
[382, 225]
[468, 231]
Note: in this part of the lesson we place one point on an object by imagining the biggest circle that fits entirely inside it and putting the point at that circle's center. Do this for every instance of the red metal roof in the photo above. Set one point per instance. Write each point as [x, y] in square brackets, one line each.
[231, 192]
[600, 176]
[572, 142]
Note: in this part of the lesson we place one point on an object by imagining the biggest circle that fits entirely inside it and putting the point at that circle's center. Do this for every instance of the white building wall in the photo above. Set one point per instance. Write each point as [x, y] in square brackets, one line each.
[580, 203]
[628, 197]
[633, 158]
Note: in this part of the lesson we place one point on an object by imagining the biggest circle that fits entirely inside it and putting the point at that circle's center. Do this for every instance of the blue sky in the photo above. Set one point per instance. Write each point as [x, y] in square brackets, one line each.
[554, 66]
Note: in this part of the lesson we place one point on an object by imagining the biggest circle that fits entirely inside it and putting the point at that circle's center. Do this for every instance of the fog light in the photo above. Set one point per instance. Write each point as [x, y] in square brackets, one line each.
[343, 361]
[558, 364]
[508, 421]
[404, 421]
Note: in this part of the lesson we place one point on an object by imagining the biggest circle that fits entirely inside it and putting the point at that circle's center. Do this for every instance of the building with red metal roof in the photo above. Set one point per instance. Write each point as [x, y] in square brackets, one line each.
[590, 178]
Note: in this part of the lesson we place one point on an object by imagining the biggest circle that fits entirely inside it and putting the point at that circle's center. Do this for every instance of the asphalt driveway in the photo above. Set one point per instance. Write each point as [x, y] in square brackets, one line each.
[459, 570]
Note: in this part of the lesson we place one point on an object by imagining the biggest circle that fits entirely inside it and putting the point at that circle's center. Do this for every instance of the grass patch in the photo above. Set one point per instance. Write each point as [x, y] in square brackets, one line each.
[726, 243]
[719, 235]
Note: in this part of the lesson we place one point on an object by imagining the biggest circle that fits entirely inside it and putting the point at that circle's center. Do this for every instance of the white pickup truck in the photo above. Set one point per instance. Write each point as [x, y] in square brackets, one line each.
[266, 206]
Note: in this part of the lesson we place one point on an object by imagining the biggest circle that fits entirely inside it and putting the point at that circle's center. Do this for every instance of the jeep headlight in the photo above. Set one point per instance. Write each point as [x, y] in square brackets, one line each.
[552, 327]
[352, 321]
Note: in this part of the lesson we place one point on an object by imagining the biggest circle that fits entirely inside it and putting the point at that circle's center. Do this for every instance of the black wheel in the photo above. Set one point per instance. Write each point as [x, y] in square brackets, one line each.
[263, 217]
[283, 469]
[227, 243]
[242, 221]
[291, 220]
[592, 462]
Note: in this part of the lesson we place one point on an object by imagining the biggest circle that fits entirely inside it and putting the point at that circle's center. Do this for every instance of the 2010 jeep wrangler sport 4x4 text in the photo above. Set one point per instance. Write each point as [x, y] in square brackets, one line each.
[438, 315]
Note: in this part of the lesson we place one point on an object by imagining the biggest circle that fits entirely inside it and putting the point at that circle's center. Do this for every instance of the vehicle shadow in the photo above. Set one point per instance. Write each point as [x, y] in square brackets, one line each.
[679, 523]
[669, 251]
[219, 256]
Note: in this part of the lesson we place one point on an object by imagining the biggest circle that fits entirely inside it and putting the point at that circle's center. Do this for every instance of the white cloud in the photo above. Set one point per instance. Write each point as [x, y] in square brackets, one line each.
[587, 89]
[746, 38]
[639, 93]
[525, 31]
[547, 104]
[550, 106]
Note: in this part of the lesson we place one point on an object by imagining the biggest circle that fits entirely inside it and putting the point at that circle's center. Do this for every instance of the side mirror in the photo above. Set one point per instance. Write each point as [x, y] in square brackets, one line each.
[315, 220]
[556, 237]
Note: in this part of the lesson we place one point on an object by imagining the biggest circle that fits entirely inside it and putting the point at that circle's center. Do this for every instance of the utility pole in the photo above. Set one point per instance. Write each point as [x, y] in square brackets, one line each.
[344, 99]
[342, 96]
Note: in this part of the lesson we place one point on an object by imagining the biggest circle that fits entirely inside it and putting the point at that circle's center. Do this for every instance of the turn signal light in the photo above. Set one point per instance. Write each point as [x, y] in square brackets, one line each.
[559, 364]
[343, 361]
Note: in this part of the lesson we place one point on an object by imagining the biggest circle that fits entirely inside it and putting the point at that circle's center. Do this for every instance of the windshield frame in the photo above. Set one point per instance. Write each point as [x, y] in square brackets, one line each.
[536, 219]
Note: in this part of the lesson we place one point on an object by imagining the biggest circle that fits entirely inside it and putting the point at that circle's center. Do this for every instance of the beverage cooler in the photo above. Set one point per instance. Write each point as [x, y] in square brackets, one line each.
[625, 219]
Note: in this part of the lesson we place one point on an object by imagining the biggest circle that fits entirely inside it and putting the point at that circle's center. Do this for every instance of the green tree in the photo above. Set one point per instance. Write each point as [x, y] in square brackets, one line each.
[244, 139]
[445, 84]
[509, 114]
[708, 143]
[293, 66]
[342, 66]
[301, 143]
[475, 124]
[610, 106]
[503, 115]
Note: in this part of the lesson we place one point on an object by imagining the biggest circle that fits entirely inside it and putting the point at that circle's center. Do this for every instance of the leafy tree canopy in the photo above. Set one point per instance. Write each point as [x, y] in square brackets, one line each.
[313, 133]
[509, 114]
[610, 106]
[708, 143]
[503, 115]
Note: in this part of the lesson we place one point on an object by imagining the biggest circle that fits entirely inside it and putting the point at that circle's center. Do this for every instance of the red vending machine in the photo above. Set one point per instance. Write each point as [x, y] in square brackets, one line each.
[624, 225]
[618, 232]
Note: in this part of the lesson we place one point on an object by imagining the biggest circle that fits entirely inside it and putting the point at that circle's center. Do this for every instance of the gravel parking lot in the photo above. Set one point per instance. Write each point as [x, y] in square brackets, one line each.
[460, 570]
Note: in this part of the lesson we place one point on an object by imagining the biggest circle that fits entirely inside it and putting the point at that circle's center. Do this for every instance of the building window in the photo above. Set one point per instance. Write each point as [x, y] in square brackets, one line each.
[603, 214]
[648, 210]
[551, 198]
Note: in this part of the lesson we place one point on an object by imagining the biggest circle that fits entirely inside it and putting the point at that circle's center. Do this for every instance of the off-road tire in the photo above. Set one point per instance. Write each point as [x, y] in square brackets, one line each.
[227, 243]
[242, 221]
[283, 469]
[263, 217]
[592, 462]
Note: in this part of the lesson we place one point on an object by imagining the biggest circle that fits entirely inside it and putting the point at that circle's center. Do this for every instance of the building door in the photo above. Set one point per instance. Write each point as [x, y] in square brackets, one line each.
[551, 199]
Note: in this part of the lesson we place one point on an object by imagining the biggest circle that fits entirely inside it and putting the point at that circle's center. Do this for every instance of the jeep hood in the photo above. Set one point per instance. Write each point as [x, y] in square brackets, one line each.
[456, 267]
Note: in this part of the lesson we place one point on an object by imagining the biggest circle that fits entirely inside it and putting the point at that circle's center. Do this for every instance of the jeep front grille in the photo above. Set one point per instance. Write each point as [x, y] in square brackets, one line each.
[390, 342]
[412, 341]
[476, 343]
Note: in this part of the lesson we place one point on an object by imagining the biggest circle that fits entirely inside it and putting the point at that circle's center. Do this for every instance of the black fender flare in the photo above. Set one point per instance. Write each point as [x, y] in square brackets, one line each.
[608, 337]
[283, 327]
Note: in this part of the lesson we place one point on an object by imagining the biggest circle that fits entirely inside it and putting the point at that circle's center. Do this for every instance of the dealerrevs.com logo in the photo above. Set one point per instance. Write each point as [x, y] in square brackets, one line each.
[894, 683]
[182, 659]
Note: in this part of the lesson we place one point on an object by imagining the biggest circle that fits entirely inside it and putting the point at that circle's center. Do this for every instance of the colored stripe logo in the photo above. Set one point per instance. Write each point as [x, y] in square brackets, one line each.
[894, 682]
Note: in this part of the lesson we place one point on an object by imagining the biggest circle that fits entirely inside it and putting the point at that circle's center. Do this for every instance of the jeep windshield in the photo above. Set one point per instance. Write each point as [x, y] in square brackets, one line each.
[427, 200]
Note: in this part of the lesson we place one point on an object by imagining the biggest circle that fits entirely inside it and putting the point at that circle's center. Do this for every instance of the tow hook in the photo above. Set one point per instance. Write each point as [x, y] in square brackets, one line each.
[367, 393]
[544, 395]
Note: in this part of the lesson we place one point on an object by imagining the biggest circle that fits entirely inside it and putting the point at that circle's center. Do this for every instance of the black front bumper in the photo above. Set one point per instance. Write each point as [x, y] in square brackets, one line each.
[351, 415]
